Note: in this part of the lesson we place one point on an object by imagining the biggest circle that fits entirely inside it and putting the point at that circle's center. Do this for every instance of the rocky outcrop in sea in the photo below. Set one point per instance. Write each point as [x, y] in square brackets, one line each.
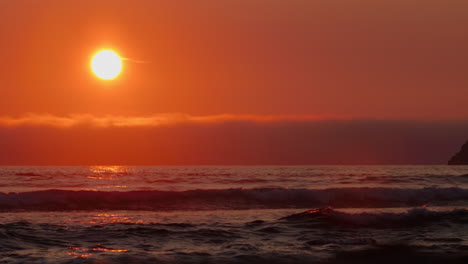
[461, 158]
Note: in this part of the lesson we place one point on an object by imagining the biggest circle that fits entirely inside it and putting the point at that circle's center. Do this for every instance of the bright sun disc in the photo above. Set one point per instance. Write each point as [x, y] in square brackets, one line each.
[106, 64]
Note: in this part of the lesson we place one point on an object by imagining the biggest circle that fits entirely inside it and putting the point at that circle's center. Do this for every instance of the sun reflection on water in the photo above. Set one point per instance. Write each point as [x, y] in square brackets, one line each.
[107, 172]
[112, 218]
[102, 176]
[78, 252]
[109, 169]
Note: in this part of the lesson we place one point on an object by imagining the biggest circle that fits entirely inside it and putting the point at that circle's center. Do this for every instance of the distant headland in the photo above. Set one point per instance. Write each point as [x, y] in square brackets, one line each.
[461, 158]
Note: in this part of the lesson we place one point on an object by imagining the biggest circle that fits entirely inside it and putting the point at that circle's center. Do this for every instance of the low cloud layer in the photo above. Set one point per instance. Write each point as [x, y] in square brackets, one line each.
[225, 140]
[167, 119]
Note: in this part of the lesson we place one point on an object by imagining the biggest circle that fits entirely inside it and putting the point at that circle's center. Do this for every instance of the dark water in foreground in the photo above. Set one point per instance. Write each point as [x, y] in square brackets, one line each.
[313, 214]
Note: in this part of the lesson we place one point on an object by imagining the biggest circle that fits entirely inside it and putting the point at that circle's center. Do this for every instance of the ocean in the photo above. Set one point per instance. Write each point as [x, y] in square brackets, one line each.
[234, 214]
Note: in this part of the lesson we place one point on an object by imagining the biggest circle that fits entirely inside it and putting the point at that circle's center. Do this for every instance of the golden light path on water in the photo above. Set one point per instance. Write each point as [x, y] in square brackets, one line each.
[103, 173]
[78, 252]
[108, 173]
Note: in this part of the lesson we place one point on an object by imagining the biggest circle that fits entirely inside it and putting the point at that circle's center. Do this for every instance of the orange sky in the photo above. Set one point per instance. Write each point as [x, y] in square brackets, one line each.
[403, 58]
[339, 59]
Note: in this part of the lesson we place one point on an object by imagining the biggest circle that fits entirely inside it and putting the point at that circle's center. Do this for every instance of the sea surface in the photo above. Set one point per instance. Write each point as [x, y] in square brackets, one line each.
[234, 214]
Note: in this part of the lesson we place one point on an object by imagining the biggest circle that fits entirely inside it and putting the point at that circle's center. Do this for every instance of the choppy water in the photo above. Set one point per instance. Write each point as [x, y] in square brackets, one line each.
[310, 214]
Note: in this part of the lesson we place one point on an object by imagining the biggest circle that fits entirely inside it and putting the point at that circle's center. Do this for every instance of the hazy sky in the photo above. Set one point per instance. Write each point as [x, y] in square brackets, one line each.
[291, 60]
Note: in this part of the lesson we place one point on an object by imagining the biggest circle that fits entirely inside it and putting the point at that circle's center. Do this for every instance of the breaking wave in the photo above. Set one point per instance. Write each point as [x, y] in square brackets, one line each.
[227, 199]
[413, 217]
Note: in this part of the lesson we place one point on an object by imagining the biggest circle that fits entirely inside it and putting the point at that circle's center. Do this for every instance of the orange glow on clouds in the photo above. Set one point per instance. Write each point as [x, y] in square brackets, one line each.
[168, 119]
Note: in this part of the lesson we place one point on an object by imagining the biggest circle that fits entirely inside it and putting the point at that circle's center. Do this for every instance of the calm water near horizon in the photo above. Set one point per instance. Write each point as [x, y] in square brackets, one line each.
[234, 214]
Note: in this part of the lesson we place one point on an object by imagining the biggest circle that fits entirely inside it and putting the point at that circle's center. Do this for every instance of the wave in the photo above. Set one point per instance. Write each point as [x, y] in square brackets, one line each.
[28, 174]
[271, 198]
[322, 235]
[410, 218]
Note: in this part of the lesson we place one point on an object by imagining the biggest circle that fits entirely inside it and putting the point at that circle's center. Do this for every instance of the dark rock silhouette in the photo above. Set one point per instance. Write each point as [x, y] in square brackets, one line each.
[461, 158]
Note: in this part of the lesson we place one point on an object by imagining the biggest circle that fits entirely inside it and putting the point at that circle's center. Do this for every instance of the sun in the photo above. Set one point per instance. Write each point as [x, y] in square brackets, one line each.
[106, 64]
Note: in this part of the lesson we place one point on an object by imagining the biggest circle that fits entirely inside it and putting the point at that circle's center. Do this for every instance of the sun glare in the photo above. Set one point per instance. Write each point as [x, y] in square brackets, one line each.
[106, 64]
